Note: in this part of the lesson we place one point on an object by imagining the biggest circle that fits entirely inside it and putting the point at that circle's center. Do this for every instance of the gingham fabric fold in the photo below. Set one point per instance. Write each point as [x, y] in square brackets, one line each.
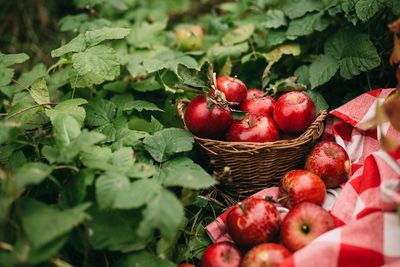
[367, 229]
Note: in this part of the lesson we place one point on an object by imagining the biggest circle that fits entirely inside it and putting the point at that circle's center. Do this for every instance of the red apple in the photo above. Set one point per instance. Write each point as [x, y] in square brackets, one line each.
[329, 161]
[234, 89]
[251, 93]
[205, 121]
[222, 254]
[294, 112]
[259, 105]
[253, 128]
[304, 223]
[253, 221]
[298, 186]
[266, 254]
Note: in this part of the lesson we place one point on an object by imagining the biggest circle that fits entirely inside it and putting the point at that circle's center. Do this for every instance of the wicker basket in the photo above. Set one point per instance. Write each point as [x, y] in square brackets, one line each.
[244, 168]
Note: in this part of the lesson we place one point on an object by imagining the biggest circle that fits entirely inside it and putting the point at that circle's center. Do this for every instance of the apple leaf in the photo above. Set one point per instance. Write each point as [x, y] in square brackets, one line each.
[97, 36]
[165, 213]
[78, 44]
[96, 64]
[31, 173]
[165, 143]
[35, 217]
[184, 172]
[238, 35]
[322, 70]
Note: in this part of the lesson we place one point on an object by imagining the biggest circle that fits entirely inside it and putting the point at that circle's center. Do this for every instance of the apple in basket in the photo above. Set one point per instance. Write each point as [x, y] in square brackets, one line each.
[298, 186]
[294, 112]
[329, 161]
[235, 90]
[265, 254]
[263, 105]
[221, 254]
[253, 221]
[253, 128]
[303, 224]
[207, 119]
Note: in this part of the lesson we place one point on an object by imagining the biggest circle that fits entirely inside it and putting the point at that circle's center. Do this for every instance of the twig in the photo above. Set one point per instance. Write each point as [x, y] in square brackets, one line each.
[29, 108]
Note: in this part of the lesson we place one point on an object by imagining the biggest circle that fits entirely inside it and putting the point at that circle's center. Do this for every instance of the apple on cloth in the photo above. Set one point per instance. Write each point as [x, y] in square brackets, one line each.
[367, 228]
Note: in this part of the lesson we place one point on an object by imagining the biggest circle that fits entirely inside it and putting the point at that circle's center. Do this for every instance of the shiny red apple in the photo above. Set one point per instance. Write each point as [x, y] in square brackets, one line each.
[234, 89]
[253, 221]
[221, 254]
[253, 128]
[294, 112]
[303, 224]
[259, 105]
[298, 186]
[265, 254]
[329, 161]
[251, 93]
[207, 120]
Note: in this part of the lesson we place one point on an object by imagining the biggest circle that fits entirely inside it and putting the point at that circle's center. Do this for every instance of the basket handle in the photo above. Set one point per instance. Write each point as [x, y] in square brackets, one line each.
[180, 106]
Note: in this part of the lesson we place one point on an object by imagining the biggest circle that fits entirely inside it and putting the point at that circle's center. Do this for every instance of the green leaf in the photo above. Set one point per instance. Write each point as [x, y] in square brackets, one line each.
[97, 157]
[7, 60]
[37, 72]
[123, 159]
[128, 137]
[100, 112]
[139, 193]
[275, 18]
[66, 129]
[165, 143]
[366, 9]
[96, 64]
[184, 172]
[116, 231]
[220, 53]
[275, 37]
[72, 22]
[194, 77]
[297, 9]
[141, 105]
[318, 99]
[154, 34]
[108, 187]
[78, 44]
[303, 74]
[142, 170]
[286, 49]
[99, 35]
[143, 259]
[143, 125]
[6, 75]
[322, 70]
[165, 213]
[307, 25]
[35, 217]
[9, 131]
[354, 52]
[39, 91]
[238, 35]
[69, 107]
[31, 173]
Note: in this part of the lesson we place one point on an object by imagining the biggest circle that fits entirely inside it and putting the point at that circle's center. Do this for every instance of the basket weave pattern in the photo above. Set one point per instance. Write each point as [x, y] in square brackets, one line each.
[244, 168]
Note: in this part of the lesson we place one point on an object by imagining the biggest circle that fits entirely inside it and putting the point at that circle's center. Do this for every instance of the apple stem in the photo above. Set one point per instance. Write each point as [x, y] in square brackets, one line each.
[242, 207]
[305, 229]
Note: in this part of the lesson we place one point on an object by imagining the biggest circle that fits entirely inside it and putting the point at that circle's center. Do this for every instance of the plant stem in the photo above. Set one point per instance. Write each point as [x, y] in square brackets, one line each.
[29, 108]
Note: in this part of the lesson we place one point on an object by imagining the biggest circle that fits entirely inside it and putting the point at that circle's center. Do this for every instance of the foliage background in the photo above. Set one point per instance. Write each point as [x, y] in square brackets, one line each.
[95, 168]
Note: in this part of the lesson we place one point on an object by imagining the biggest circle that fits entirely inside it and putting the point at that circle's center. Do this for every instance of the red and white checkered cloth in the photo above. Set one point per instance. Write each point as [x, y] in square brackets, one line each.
[367, 229]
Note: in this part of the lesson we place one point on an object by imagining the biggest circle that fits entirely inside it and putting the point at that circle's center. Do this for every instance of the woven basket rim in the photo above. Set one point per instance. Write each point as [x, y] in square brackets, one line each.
[243, 146]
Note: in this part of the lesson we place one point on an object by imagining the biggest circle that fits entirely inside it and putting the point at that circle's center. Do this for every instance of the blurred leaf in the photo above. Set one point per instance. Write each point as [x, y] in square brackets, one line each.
[141, 105]
[66, 129]
[97, 36]
[319, 101]
[296, 9]
[143, 259]
[6, 75]
[287, 49]
[275, 37]
[108, 188]
[35, 217]
[227, 68]
[275, 18]
[128, 137]
[222, 52]
[139, 193]
[7, 60]
[165, 143]
[307, 25]
[165, 213]
[69, 107]
[27, 78]
[143, 125]
[72, 22]
[31, 173]
[154, 34]
[184, 172]
[39, 91]
[78, 44]
[100, 112]
[97, 157]
[96, 64]
[238, 35]
[322, 70]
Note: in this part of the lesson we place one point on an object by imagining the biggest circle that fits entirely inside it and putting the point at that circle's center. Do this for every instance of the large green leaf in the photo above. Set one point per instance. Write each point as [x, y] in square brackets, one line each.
[322, 70]
[366, 9]
[165, 213]
[183, 172]
[7, 60]
[31, 173]
[297, 9]
[165, 143]
[97, 157]
[69, 107]
[43, 223]
[97, 36]
[108, 187]
[66, 129]
[354, 51]
[139, 193]
[96, 64]
[275, 18]
[154, 34]
[116, 231]
[238, 35]
[307, 24]
[78, 44]
[100, 112]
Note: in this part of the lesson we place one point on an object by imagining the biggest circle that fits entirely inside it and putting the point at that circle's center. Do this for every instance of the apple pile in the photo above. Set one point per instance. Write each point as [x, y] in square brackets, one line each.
[267, 119]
